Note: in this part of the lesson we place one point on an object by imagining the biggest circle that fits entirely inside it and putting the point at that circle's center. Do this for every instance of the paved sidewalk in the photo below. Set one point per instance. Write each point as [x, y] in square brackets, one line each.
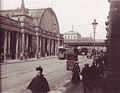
[75, 88]
[30, 59]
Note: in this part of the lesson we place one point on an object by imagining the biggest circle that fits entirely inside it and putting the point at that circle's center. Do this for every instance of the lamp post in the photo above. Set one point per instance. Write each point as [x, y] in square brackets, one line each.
[94, 28]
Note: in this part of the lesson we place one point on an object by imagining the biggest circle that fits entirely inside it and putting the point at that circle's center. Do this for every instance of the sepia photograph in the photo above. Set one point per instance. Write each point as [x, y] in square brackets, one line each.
[59, 46]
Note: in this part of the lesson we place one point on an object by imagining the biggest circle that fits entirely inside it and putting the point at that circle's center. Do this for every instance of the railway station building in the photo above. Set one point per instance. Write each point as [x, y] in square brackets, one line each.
[29, 33]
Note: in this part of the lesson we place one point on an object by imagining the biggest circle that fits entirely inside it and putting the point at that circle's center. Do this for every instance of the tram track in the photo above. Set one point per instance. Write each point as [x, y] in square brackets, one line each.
[54, 81]
[26, 73]
[29, 79]
[24, 70]
[16, 71]
[53, 78]
[14, 67]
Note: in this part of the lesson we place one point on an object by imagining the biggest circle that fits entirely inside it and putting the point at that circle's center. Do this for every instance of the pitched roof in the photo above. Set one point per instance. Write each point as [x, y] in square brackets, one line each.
[36, 14]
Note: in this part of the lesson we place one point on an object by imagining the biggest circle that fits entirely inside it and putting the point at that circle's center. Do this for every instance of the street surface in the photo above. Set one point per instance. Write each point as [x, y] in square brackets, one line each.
[16, 77]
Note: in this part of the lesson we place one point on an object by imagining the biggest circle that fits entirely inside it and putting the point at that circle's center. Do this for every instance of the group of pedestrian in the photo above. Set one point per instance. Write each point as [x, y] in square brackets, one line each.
[92, 76]
[86, 76]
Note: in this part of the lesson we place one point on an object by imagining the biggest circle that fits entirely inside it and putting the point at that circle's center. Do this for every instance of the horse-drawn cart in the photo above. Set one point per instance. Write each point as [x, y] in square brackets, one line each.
[71, 59]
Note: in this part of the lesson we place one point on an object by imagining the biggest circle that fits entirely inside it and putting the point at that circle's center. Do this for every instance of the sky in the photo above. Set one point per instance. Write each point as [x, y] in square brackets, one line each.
[78, 14]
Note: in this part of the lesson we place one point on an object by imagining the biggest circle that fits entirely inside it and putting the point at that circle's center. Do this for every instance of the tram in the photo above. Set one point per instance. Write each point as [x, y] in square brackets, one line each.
[62, 52]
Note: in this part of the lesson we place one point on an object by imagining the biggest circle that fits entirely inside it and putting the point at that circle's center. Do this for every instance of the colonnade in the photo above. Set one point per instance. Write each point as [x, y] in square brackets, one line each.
[16, 44]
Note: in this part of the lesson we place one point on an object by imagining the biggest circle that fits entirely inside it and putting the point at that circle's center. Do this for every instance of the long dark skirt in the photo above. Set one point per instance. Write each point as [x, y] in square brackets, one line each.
[75, 78]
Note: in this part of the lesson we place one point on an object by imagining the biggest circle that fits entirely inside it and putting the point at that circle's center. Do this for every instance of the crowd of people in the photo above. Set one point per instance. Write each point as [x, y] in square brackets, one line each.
[92, 76]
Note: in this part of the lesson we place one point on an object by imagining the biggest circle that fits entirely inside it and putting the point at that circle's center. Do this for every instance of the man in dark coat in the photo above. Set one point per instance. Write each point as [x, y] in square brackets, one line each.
[86, 78]
[94, 72]
[39, 83]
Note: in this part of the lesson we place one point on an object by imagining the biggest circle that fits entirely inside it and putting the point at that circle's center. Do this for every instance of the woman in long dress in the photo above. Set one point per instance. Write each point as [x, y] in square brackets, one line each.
[75, 74]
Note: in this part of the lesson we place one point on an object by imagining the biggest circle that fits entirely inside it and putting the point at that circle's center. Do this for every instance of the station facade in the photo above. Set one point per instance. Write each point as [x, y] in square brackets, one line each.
[29, 33]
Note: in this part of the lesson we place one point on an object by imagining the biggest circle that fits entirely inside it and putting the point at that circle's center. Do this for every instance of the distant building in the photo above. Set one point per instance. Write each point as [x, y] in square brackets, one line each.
[34, 32]
[72, 38]
[71, 35]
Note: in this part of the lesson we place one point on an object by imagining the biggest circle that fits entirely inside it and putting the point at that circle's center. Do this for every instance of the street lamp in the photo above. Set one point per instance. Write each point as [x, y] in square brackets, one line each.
[94, 28]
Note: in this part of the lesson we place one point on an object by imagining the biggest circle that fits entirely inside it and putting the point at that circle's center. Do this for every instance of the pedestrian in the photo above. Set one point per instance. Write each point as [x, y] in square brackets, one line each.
[86, 78]
[101, 69]
[94, 74]
[39, 84]
[94, 71]
[76, 74]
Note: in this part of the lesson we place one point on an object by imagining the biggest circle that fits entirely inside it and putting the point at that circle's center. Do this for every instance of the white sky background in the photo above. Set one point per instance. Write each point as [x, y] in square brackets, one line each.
[79, 13]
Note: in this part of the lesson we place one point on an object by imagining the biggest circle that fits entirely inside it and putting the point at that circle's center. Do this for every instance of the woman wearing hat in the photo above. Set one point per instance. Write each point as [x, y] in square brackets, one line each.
[76, 74]
[39, 83]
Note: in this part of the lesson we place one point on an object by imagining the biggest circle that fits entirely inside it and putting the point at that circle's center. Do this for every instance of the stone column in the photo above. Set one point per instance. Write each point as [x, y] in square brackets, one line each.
[56, 47]
[23, 42]
[26, 54]
[37, 49]
[52, 46]
[40, 43]
[20, 42]
[58, 39]
[9, 42]
[43, 46]
[48, 46]
[5, 44]
[27, 41]
[22, 45]
[17, 45]
[112, 74]
[40, 47]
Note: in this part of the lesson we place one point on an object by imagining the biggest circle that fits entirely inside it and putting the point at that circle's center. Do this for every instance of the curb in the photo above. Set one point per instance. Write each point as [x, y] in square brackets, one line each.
[32, 59]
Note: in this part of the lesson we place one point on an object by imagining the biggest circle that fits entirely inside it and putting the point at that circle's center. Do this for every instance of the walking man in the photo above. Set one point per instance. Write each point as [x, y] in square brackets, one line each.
[86, 78]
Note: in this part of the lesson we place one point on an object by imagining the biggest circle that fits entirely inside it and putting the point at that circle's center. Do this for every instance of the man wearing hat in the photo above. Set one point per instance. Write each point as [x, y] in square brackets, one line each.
[86, 74]
[39, 83]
